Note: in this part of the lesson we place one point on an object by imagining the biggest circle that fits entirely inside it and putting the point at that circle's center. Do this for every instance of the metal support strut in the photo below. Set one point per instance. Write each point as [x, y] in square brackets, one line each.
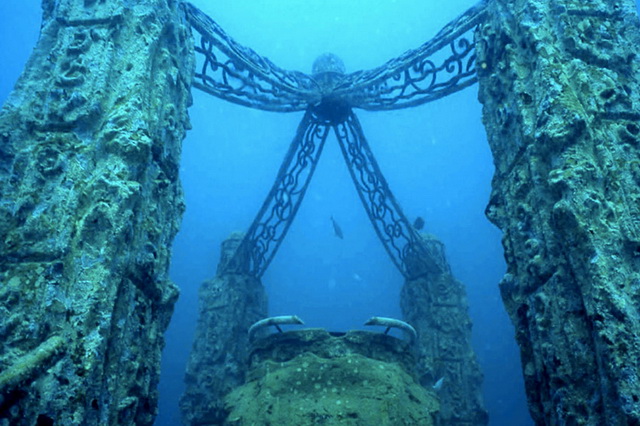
[228, 70]
[401, 240]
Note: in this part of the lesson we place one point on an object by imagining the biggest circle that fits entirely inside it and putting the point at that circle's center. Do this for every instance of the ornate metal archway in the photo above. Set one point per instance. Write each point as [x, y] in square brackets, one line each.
[237, 74]
[432, 300]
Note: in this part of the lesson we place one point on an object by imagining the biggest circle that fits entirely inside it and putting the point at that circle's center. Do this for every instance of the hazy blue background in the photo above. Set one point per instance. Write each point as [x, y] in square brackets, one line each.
[435, 158]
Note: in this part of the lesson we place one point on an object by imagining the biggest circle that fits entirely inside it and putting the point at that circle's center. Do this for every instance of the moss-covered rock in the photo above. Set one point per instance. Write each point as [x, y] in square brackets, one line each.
[436, 305]
[348, 390]
[559, 84]
[229, 304]
[90, 145]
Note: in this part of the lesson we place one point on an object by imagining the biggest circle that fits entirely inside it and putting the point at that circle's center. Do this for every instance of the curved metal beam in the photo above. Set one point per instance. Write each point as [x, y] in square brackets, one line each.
[402, 242]
[236, 73]
[231, 71]
[272, 222]
[422, 75]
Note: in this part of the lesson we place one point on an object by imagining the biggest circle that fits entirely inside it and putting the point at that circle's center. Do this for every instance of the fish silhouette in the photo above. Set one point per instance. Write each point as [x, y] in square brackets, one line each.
[336, 229]
[438, 384]
[418, 223]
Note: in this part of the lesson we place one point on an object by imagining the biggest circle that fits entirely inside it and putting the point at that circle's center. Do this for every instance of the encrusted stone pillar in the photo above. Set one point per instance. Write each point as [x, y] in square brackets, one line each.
[559, 82]
[229, 304]
[436, 305]
[90, 202]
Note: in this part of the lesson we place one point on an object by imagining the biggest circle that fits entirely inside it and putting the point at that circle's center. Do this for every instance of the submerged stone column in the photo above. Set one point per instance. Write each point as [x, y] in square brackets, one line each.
[436, 305]
[559, 82]
[229, 304]
[90, 202]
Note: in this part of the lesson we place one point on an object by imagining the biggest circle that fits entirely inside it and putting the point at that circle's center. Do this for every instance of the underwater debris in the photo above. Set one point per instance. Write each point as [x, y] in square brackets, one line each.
[336, 229]
[394, 323]
[274, 321]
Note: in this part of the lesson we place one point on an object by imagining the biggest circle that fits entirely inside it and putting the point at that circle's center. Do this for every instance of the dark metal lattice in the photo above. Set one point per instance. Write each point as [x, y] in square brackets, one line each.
[236, 73]
[415, 78]
[402, 242]
[272, 222]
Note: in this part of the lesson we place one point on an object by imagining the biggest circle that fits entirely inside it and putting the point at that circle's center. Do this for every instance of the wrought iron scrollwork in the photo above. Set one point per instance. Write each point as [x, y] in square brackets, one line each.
[228, 70]
[414, 78]
[238, 74]
[281, 205]
[402, 242]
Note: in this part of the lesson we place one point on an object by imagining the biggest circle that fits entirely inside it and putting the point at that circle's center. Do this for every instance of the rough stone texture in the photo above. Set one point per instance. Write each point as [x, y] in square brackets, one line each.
[436, 305]
[559, 82]
[229, 305]
[89, 204]
[312, 377]
[281, 347]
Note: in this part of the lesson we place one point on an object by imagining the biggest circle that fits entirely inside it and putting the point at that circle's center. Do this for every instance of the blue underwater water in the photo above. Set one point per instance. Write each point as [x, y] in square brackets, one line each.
[435, 158]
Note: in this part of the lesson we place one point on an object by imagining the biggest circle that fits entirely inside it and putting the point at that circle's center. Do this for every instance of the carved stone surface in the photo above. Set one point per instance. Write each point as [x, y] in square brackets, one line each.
[281, 347]
[309, 377]
[229, 304]
[436, 305]
[559, 82]
[90, 202]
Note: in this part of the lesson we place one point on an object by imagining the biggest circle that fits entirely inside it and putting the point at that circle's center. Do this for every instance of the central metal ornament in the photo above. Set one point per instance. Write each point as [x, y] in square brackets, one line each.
[228, 70]
[328, 70]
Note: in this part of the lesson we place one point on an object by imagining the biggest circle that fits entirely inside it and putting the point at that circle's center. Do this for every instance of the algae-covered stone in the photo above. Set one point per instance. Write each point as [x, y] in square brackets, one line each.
[90, 202]
[229, 304]
[347, 390]
[560, 86]
[436, 305]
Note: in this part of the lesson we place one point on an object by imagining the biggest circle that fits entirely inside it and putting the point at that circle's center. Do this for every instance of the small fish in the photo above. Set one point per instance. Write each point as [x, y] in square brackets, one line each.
[418, 223]
[438, 385]
[336, 229]
[356, 277]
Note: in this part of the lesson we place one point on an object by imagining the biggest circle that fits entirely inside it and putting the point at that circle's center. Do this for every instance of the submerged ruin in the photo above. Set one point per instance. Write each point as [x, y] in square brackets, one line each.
[90, 145]
[89, 155]
[559, 83]
[432, 299]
